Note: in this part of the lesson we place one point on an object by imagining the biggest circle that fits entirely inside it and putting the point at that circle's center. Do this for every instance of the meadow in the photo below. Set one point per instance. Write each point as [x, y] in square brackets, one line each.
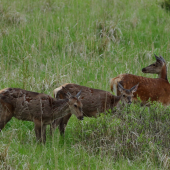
[44, 44]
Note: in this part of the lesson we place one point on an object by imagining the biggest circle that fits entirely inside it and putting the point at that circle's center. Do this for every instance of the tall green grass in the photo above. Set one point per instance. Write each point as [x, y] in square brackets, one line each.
[44, 44]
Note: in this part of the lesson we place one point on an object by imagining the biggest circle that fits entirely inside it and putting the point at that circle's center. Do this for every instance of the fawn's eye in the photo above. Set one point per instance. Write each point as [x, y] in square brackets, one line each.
[154, 65]
[75, 105]
[123, 95]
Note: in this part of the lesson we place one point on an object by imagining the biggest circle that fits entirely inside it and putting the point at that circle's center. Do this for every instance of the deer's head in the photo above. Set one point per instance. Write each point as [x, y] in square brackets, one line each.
[127, 94]
[156, 67]
[75, 104]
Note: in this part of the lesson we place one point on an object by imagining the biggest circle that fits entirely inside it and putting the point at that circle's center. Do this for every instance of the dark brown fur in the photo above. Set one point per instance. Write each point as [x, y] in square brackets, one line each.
[36, 107]
[94, 101]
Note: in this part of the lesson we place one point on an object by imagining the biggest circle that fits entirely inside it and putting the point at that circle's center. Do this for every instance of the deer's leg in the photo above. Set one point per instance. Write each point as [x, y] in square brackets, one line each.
[5, 117]
[43, 136]
[54, 125]
[63, 123]
[40, 131]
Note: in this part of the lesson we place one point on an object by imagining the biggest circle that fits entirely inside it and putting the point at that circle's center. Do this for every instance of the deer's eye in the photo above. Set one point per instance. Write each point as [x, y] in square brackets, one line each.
[154, 65]
[75, 105]
[123, 95]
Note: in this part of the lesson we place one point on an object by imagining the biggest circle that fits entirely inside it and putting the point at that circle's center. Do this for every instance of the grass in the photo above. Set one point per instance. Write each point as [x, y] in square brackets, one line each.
[44, 44]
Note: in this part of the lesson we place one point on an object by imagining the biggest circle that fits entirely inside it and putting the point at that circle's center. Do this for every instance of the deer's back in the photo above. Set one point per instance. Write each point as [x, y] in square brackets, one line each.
[27, 105]
[155, 89]
[93, 100]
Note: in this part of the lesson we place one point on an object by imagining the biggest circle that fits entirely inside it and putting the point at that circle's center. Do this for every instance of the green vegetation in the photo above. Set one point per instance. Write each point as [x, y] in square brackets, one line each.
[165, 4]
[44, 44]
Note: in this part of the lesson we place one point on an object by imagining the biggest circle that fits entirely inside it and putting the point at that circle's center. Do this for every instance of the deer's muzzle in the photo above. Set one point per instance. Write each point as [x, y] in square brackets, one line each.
[80, 117]
[144, 70]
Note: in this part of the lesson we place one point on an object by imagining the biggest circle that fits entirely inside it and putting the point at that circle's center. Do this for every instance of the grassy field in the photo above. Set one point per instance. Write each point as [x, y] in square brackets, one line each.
[44, 44]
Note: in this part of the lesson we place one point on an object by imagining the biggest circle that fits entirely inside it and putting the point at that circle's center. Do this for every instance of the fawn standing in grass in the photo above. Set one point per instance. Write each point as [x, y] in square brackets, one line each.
[94, 101]
[36, 107]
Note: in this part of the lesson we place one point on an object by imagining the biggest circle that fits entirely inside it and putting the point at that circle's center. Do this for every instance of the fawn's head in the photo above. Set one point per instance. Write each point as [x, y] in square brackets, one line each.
[75, 104]
[127, 94]
[155, 68]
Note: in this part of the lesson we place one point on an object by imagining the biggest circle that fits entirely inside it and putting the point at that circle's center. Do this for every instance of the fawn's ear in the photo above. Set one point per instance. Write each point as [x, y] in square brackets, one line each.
[120, 87]
[78, 94]
[134, 88]
[67, 92]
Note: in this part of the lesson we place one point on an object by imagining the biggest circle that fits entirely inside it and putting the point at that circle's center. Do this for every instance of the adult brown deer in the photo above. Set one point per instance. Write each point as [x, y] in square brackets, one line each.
[159, 67]
[94, 101]
[39, 108]
[155, 89]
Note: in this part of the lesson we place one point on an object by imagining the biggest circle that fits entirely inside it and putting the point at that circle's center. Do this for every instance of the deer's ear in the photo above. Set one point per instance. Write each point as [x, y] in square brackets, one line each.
[67, 92]
[134, 88]
[78, 94]
[120, 87]
[159, 59]
[162, 59]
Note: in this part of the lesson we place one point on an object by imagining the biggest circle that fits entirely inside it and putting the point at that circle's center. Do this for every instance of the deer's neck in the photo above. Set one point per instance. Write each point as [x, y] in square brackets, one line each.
[163, 73]
[115, 100]
[60, 108]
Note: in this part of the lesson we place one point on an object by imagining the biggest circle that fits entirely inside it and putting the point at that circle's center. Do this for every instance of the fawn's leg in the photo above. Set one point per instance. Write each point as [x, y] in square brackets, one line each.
[54, 125]
[63, 123]
[40, 131]
[5, 117]
[43, 136]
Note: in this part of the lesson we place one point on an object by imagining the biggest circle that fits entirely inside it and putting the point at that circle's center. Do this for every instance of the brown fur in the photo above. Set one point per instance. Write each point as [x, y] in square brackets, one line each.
[163, 73]
[97, 100]
[149, 88]
[94, 101]
[157, 89]
[36, 107]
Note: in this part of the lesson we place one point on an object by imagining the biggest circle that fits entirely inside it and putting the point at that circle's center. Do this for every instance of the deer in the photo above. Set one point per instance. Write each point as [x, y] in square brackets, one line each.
[39, 108]
[94, 101]
[153, 89]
